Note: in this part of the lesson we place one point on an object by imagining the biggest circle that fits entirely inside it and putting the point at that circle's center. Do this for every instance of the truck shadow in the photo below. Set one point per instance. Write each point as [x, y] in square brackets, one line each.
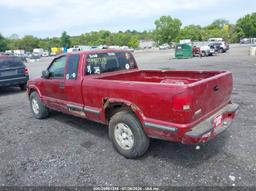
[188, 156]
[97, 129]
[175, 153]
[4, 91]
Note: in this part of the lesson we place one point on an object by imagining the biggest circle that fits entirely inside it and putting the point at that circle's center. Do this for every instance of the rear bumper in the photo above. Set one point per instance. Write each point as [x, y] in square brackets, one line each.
[14, 81]
[212, 51]
[206, 130]
[202, 132]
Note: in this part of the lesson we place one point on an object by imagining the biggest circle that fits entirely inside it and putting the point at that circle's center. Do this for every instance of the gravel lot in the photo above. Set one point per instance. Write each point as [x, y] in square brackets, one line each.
[67, 151]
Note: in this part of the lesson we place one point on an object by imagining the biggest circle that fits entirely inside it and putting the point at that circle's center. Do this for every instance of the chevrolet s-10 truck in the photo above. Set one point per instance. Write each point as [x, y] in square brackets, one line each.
[106, 86]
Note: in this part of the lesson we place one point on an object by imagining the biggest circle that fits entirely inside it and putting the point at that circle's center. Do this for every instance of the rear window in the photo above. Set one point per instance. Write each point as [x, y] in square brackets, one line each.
[109, 62]
[10, 63]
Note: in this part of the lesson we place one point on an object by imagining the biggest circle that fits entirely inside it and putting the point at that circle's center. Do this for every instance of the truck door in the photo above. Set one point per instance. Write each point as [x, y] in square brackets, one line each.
[73, 85]
[54, 86]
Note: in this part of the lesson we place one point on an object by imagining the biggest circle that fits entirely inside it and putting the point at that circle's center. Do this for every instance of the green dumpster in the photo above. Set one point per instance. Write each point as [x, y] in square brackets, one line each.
[183, 51]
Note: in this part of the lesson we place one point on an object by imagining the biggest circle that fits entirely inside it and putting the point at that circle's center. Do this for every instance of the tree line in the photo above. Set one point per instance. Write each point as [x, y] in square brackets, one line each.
[167, 30]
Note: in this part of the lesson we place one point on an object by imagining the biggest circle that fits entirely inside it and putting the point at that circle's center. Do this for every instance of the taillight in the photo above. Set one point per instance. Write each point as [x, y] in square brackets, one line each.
[182, 101]
[26, 71]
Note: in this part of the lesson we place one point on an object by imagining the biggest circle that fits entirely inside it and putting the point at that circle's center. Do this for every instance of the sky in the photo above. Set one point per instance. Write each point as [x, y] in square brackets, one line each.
[48, 18]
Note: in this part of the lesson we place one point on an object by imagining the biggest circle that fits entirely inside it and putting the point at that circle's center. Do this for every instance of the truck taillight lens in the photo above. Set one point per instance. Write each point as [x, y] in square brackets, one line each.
[182, 102]
[26, 71]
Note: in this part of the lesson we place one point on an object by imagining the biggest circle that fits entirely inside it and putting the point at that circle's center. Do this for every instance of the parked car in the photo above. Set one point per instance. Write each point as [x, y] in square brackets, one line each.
[245, 41]
[13, 72]
[38, 51]
[206, 51]
[35, 57]
[106, 86]
[45, 54]
[202, 49]
[215, 46]
[224, 46]
[248, 41]
[164, 47]
[127, 48]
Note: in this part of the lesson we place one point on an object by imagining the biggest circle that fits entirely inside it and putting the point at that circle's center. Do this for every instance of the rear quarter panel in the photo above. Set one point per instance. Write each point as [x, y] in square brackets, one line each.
[153, 100]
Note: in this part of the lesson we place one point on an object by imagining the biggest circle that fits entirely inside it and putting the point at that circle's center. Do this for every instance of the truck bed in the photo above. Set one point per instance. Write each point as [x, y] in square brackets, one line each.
[203, 91]
[162, 76]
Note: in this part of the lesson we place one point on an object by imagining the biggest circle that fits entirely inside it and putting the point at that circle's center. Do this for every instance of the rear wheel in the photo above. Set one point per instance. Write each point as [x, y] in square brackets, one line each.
[203, 54]
[127, 135]
[39, 110]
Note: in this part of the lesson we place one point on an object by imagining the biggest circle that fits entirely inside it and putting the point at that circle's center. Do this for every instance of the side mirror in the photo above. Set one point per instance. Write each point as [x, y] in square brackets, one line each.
[46, 74]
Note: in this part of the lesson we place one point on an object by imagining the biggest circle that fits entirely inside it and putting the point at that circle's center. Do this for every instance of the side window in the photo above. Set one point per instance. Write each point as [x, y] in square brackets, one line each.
[56, 69]
[126, 61]
[72, 66]
[95, 63]
[109, 62]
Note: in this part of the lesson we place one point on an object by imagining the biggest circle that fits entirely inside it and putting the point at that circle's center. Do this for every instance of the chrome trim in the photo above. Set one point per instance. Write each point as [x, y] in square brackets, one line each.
[86, 109]
[76, 107]
[160, 127]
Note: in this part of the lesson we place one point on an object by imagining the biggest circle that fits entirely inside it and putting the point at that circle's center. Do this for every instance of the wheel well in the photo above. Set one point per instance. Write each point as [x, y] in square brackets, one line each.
[113, 108]
[31, 91]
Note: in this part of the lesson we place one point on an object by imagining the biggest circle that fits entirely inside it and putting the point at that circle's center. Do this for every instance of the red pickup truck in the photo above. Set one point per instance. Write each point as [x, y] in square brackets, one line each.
[106, 86]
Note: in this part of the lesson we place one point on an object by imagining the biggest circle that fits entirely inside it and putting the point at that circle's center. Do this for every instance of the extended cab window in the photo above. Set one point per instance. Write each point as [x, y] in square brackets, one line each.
[56, 69]
[109, 62]
[72, 66]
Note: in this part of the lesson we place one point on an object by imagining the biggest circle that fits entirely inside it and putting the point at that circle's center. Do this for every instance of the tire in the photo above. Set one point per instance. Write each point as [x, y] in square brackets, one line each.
[203, 54]
[221, 50]
[23, 87]
[138, 141]
[39, 110]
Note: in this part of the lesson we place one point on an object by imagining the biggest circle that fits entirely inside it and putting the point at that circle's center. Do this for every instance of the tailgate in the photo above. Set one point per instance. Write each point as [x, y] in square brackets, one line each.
[211, 93]
[10, 73]
[11, 69]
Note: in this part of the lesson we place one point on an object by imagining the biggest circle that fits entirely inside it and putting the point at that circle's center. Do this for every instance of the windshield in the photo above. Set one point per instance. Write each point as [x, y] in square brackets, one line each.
[109, 62]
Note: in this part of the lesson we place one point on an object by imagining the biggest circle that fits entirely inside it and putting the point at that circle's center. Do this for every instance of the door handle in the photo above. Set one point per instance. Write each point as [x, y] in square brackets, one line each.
[61, 85]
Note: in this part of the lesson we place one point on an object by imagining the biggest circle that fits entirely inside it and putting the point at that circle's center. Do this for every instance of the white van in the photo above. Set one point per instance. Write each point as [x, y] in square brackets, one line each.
[38, 51]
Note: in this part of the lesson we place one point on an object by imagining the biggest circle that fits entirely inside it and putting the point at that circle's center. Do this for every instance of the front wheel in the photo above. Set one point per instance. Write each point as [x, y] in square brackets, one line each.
[127, 135]
[39, 110]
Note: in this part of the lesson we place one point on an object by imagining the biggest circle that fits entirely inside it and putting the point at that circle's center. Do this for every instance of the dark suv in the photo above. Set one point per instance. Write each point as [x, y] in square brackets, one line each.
[13, 72]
